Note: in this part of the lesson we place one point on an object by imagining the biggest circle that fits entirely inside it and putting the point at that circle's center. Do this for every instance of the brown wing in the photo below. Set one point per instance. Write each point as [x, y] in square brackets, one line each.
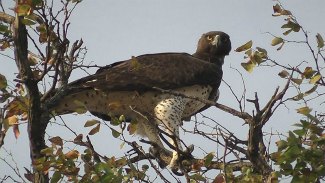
[142, 73]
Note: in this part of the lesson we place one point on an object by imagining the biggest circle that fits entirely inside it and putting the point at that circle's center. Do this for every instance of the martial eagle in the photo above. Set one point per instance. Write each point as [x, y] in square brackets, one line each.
[134, 88]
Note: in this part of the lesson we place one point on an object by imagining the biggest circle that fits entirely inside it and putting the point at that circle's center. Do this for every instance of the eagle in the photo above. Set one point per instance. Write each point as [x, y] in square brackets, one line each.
[158, 91]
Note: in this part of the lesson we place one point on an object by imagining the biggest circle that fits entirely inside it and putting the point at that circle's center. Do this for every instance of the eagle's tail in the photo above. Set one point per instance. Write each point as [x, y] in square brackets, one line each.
[79, 101]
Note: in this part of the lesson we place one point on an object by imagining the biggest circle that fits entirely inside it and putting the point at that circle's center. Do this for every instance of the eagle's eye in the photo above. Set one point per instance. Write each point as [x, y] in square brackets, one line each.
[209, 38]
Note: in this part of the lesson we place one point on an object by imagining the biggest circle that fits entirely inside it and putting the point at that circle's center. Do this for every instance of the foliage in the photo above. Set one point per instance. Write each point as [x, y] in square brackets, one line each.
[300, 155]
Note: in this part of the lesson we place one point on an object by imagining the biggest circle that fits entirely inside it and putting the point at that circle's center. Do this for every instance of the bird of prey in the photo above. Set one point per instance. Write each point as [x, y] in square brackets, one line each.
[138, 89]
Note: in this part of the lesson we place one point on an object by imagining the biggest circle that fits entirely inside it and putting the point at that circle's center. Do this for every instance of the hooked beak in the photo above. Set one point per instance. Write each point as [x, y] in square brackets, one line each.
[215, 40]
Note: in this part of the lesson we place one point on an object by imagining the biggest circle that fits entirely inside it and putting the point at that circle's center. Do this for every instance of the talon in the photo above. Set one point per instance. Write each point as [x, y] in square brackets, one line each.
[176, 172]
[161, 155]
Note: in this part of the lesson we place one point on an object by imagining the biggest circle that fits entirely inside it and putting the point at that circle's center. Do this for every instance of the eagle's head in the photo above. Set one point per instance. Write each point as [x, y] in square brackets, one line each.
[213, 46]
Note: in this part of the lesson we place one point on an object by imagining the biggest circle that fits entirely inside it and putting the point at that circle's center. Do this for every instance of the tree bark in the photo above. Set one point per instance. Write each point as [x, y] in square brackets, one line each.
[37, 117]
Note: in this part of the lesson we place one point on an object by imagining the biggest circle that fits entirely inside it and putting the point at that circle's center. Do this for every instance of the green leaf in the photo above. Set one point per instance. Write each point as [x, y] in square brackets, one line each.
[315, 78]
[300, 132]
[304, 110]
[115, 133]
[208, 159]
[282, 144]
[249, 66]
[292, 26]
[320, 41]
[23, 9]
[37, 2]
[56, 177]
[28, 21]
[115, 121]
[4, 29]
[245, 46]
[3, 82]
[276, 41]
[91, 122]
[47, 151]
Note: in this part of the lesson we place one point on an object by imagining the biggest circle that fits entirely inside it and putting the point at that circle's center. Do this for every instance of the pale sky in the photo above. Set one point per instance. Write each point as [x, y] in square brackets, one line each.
[116, 30]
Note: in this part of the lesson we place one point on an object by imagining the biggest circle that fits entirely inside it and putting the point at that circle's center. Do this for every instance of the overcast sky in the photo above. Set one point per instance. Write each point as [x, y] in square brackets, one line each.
[116, 30]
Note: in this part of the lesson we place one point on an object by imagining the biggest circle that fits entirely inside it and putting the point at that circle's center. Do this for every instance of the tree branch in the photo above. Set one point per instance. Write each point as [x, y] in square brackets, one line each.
[37, 118]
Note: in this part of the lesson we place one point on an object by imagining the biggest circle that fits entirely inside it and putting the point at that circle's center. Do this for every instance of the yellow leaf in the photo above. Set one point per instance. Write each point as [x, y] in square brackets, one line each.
[91, 122]
[257, 57]
[72, 154]
[23, 10]
[320, 41]
[304, 110]
[122, 118]
[245, 46]
[276, 41]
[263, 51]
[315, 78]
[249, 66]
[308, 72]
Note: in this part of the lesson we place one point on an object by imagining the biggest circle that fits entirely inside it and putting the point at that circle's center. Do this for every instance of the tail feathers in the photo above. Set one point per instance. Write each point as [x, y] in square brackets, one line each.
[80, 102]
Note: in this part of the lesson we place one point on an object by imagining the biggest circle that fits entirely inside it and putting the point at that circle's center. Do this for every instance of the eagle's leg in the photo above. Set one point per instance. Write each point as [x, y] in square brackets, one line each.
[149, 129]
[169, 112]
